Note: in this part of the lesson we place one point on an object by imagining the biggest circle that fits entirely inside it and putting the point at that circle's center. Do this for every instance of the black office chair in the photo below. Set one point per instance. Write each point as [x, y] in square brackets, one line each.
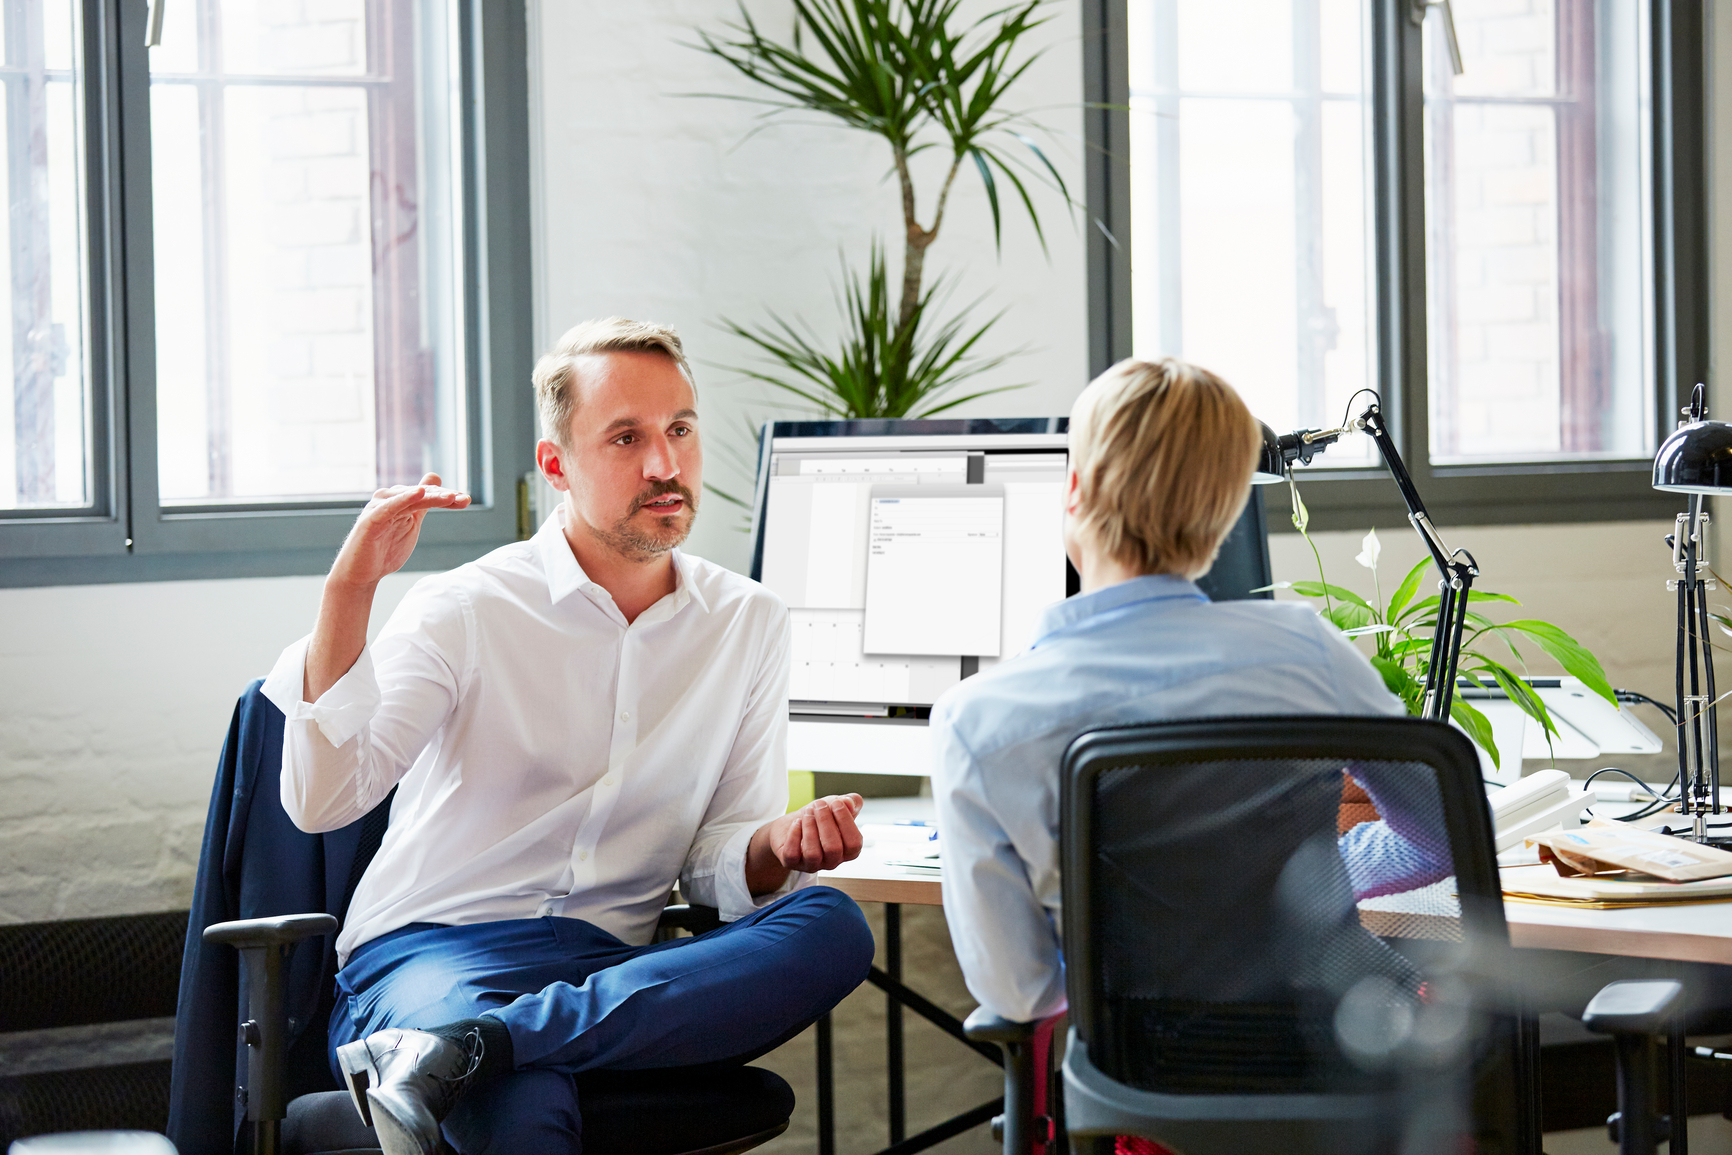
[255, 862]
[654, 1112]
[1227, 992]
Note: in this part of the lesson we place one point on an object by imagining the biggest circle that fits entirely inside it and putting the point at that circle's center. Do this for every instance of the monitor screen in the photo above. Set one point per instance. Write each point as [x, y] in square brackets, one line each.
[915, 553]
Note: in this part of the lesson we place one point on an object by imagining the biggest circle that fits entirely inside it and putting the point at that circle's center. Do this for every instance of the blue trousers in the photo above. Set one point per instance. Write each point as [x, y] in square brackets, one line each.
[575, 998]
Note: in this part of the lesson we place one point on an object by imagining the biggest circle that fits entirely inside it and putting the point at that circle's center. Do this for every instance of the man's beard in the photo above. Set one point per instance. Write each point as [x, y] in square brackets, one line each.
[639, 544]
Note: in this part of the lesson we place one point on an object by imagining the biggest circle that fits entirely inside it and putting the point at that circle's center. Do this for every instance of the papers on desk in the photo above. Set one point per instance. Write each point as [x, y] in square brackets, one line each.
[906, 847]
[1544, 884]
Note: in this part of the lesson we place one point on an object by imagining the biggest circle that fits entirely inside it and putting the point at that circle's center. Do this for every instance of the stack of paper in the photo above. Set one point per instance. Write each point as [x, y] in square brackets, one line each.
[1544, 884]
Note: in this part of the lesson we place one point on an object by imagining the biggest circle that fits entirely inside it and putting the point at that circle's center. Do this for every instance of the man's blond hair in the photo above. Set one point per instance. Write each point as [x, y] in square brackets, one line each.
[554, 397]
[1164, 453]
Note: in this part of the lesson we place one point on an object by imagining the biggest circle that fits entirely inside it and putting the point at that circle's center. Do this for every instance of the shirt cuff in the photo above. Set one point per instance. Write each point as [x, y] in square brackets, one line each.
[341, 711]
[733, 898]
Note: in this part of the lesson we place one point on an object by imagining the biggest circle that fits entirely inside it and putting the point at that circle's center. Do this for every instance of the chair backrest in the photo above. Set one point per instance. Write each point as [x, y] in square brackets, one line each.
[255, 863]
[1214, 920]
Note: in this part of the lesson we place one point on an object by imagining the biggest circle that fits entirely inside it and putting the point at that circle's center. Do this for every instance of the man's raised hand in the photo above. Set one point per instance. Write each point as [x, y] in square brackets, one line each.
[379, 545]
[385, 534]
[821, 835]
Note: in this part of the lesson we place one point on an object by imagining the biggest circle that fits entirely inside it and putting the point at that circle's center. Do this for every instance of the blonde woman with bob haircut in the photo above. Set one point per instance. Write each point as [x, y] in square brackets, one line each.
[1161, 460]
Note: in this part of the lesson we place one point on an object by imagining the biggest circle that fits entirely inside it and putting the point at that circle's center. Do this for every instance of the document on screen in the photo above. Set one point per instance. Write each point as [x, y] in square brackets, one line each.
[935, 569]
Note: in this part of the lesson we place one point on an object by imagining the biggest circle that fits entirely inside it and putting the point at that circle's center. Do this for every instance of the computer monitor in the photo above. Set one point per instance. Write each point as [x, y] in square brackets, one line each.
[913, 554]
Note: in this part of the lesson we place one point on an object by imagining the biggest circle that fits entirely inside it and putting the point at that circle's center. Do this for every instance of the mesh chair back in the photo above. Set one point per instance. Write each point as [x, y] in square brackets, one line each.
[1213, 916]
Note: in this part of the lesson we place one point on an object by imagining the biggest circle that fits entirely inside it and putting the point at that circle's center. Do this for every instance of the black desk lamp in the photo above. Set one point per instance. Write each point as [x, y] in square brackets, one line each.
[1696, 459]
[1456, 568]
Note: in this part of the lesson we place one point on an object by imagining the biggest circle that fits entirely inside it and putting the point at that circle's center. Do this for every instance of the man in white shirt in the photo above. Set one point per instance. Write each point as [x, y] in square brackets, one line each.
[572, 724]
[1161, 456]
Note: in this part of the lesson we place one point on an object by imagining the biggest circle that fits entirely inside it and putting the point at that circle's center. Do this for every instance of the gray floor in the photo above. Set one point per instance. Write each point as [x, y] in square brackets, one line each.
[944, 1077]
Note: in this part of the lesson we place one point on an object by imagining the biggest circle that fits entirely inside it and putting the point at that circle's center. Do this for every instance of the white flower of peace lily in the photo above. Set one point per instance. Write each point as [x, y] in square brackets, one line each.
[1371, 548]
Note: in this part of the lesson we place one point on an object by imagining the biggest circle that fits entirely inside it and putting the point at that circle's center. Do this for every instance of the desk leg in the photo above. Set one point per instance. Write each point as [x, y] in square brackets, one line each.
[893, 1023]
[1680, 1080]
[826, 1091]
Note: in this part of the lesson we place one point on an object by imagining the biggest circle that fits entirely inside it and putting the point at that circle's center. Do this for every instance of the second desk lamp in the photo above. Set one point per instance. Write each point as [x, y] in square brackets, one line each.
[1697, 460]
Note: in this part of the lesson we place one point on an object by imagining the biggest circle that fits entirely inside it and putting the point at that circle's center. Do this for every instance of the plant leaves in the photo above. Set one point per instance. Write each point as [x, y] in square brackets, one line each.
[1322, 589]
[1521, 694]
[1476, 727]
[1348, 616]
[1576, 659]
[1405, 591]
[880, 366]
[1401, 683]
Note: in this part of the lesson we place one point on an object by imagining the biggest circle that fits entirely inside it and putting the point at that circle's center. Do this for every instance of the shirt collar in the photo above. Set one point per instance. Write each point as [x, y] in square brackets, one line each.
[565, 577]
[1076, 610]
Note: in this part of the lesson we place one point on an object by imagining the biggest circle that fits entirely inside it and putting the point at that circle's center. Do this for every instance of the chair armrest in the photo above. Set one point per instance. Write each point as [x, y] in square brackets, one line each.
[689, 916]
[985, 1027]
[1634, 1006]
[278, 930]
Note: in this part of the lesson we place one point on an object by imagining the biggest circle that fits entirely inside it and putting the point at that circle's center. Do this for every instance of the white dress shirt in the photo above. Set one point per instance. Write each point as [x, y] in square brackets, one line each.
[1144, 650]
[550, 758]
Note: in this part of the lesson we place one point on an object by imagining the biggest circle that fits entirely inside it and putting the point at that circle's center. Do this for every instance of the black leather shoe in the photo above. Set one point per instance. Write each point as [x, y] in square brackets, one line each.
[405, 1082]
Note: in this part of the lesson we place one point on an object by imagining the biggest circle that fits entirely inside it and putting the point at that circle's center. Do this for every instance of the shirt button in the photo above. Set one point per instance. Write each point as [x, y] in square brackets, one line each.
[583, 856]
[625, 715]
[608, 781]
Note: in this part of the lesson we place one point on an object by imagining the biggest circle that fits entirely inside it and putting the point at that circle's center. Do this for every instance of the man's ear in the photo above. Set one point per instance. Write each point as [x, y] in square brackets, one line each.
[550, 459]
[1072, 490]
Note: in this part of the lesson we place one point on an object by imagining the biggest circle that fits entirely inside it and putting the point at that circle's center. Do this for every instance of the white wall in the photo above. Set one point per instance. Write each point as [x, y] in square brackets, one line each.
[114, 699]
[656, 205]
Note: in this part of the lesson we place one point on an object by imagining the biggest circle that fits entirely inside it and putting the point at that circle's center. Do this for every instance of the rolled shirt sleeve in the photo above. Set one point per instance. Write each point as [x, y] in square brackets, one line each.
[344, 752]
[753, 790]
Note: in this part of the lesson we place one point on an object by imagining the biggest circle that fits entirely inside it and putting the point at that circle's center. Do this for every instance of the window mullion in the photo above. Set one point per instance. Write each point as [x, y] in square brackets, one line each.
[1398, 194]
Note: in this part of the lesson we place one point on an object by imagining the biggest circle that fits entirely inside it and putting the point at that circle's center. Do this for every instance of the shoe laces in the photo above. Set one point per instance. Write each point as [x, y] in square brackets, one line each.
[449, 1088]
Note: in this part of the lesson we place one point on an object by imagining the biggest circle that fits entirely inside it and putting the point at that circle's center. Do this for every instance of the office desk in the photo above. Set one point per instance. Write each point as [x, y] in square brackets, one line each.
[870, 879]
[1698, 932]
[1693, 932]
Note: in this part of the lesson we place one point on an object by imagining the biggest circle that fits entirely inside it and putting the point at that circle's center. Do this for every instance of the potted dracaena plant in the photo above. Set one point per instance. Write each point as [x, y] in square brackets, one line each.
[1401, 629]
[923, 78]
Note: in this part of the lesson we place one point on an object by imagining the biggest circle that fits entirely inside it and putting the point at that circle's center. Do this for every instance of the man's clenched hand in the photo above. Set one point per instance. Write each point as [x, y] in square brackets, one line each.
[821, 835]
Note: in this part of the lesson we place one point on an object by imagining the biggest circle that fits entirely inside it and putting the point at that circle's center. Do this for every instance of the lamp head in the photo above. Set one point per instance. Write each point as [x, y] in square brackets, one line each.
[1270, 467]
[1697, 457]
[1281, 451]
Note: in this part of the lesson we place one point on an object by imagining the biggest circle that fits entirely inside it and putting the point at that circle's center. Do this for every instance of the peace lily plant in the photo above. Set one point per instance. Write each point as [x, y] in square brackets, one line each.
[1401, 630]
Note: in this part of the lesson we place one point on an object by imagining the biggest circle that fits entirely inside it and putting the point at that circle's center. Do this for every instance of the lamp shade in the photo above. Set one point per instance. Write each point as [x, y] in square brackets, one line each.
[1696, 458]
[1270, 467]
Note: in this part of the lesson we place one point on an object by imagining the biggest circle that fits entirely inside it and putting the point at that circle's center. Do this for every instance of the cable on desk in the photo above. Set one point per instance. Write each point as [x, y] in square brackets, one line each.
[1663, 800]
[1665, 797]
[1634, 697]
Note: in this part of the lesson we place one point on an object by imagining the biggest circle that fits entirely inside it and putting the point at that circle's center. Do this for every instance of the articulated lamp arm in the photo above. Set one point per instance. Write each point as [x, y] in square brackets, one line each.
[1456, 569]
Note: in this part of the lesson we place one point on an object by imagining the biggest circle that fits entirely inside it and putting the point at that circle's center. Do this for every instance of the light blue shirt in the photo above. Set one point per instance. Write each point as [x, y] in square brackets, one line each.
[1146, 650]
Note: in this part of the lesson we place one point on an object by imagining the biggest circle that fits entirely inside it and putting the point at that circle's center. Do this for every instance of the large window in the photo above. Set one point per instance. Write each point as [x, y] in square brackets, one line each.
[1539, 198]
[252, 279]
[45, 402]
[1317, 202]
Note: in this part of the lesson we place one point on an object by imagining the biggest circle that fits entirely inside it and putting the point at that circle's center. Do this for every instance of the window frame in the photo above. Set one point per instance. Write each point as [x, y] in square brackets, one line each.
[126, 535]
[1465, 494]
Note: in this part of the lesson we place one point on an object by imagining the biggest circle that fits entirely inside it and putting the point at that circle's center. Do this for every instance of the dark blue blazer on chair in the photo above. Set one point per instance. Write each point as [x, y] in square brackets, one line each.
[254, 863]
